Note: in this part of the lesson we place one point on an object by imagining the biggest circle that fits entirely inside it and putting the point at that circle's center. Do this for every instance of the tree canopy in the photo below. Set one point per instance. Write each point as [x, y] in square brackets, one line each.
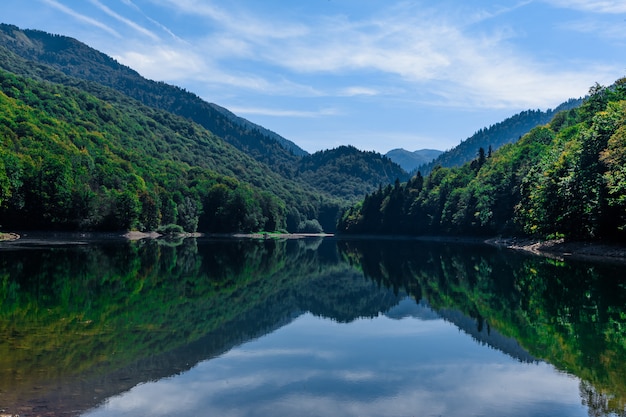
[563, 179]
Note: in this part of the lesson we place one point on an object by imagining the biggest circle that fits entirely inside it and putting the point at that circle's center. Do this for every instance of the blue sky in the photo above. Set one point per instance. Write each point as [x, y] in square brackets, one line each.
[374, 74]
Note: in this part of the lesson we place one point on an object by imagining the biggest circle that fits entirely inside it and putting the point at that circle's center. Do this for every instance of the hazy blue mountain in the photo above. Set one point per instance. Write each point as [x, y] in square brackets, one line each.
[409, 161]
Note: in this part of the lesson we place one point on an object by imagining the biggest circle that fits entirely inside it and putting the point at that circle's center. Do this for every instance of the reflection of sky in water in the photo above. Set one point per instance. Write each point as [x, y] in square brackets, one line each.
[379, 367]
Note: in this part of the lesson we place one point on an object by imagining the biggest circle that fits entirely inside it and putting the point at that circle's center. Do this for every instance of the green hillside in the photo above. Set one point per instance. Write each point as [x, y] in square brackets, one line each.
[348, 171]
[69, 160]
[495, 136]
[565, 179]
[75, 59]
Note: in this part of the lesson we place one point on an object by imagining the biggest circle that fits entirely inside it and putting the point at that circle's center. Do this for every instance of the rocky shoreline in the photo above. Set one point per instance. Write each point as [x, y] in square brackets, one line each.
[8, 236]
[561, 248]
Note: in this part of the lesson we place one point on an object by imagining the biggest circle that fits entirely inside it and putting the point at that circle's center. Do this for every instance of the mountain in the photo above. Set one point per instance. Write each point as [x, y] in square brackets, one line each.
[78, 60]
[348, 171]
[561, 180]
[243, 156]
[286, 143]
[409, 161]
[495, 136]
[70, 160]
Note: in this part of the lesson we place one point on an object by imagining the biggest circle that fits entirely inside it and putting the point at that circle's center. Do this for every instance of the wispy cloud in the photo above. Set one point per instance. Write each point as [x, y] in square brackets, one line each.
[80, 17]
[615, 31]
[239, 23]
[358, 91]
[158, 24]
[284, 113]
[595, 6]
[125, 21]
[485, 14]
[431, 53]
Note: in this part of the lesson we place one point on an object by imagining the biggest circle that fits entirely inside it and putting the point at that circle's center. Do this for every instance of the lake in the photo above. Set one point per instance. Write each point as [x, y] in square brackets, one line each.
[307, 327]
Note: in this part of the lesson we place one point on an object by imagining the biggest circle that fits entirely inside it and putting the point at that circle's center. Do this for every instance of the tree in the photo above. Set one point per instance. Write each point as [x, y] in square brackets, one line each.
[188, 215]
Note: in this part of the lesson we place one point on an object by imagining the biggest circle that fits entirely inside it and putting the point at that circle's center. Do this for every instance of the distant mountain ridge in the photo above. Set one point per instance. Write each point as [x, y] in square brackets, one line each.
[409, 161]
[286, 143]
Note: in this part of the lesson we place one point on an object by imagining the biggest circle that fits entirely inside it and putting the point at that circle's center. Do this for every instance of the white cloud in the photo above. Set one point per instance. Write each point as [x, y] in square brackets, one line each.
[595, 6]
[283, 113]
[615, 31]
[358, 91]
[163, 62]
[434, 55]
[240, 23]
[441, 57]
[124, 20]
[82, 18]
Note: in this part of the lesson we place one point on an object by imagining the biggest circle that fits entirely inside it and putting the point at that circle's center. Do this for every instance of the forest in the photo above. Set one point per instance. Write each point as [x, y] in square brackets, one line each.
[495, 136]
[89, 144]
[565, 179]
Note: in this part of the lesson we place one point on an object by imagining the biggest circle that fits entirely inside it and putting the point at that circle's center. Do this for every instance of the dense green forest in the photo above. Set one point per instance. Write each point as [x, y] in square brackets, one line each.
[70, 161]
[88, 144]
[495, 136]
[77, 60]
[328, 170]
[564, 179]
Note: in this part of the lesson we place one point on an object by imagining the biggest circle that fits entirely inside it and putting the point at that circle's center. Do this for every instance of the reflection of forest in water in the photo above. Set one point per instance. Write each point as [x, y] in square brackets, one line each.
[571, 314]
[80, 323]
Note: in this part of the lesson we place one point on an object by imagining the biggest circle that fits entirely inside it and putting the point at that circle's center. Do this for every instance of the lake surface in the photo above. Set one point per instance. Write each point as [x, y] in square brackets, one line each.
[310, 327]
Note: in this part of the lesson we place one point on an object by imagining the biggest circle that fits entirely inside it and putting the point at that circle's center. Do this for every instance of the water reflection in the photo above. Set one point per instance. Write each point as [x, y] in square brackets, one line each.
[379, 367]
[297, 325]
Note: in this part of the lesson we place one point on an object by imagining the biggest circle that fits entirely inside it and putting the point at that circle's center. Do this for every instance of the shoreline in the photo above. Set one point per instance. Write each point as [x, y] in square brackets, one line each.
[561, 249]
[7, 237]
[557, 249]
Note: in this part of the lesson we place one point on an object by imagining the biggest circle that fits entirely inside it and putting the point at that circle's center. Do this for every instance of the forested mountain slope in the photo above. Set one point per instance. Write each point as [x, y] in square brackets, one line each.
[78, 60]
[71, 161]
[66, 61]
[495, 136]
[565, 179]
[348, 171]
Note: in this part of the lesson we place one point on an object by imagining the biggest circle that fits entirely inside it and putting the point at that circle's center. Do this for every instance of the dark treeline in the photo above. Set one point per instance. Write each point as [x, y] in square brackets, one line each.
[564, 179]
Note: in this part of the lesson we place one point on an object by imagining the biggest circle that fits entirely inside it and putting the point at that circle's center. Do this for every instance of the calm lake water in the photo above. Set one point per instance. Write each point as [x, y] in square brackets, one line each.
[311, 327]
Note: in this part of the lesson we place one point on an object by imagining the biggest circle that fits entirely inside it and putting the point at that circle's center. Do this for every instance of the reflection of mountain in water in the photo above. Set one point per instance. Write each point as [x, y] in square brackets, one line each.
[478, 329]
[481, 332]
[235, 290]
[408, 307]
[568, 313]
